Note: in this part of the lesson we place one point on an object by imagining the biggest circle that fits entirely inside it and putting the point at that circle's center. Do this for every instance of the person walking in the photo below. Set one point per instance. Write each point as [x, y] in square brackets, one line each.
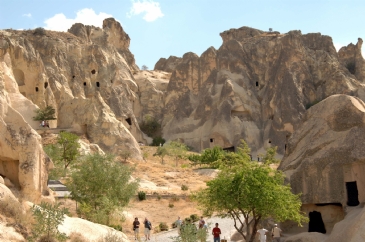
[276, 233]
[147, 228]
[201, 222]
[136, 229]
[262, 234]
[216, 232]
[178, 224]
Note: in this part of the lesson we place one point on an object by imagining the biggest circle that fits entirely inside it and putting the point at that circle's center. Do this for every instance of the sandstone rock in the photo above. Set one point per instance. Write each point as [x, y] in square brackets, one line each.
[327, 151]
[8, 183]
[9, 234]
[351, 229]
[9, 204]
[90, 231]
[2, 180]
[306, 237]
[167, 65]
[87, 148]
[256, 86]
[66, 70]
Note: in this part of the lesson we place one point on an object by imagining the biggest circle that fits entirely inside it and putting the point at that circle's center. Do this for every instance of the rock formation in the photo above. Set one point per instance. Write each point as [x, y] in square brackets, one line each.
[325, 158]
[85, 74]
[256, 86]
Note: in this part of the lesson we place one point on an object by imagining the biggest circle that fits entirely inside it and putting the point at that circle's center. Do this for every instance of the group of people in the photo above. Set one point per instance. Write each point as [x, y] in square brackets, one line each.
[275, 233]
[147, 228]
[44, 123]
[203, 227]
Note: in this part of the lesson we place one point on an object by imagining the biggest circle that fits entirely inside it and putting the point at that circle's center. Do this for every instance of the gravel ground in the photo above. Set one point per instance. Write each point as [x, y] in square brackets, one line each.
[225, 224]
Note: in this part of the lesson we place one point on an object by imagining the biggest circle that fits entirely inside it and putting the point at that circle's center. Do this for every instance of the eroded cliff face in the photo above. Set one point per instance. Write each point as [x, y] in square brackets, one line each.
[257, 86]
[85, 73]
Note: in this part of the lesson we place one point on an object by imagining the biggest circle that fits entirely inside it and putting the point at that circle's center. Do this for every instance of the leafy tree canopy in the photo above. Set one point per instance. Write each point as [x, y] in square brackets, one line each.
[248, 192]
[47, 113]
[101, 185]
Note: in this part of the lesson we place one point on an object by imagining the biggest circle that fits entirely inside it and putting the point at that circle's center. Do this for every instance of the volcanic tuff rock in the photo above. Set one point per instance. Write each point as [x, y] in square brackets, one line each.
[256, 86]
[86, 74]
[327, 151]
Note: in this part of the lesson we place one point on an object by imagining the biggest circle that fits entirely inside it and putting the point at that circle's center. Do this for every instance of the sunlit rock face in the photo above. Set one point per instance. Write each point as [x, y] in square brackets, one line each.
[86, 74]
[257, 86]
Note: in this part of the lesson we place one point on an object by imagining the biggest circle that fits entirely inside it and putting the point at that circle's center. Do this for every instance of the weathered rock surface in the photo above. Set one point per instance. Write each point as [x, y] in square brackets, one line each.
[90, 231]
[22, 160]
[351, 229]
[327, 151]
[256, 86]
[307, 237]
[86, 74]
[167, 65]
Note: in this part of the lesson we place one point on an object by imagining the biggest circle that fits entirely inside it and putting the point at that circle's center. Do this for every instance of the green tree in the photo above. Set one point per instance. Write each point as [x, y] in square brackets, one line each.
[177, 150]
[150, 126]
[211, 155]
[101, 185]
[47, 217]
[161, 152]
[47, 113]
[63, 153]
[269, 157]
[248, 193]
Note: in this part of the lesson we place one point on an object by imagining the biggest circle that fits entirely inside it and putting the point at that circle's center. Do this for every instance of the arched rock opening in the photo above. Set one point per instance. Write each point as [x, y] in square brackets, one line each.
[316, 223]
[9, 168]
[19, 77]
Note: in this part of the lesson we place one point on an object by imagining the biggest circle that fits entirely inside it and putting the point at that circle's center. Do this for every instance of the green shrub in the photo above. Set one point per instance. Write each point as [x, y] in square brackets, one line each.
[163, 226]
[141, 195]
[117, 227]
[175, 198]
[39, 31]
[158, 197]
[171, 205]
[194, 217]
[157, 141]
[150, 126]
[184, 187]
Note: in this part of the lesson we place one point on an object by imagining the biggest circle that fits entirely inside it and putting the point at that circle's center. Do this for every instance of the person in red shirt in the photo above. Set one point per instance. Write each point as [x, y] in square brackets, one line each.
[216, 233]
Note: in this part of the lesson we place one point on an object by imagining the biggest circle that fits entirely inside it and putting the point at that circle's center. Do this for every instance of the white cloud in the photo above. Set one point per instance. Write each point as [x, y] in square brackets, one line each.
[149, 8]
[87, 16]
[29, 15]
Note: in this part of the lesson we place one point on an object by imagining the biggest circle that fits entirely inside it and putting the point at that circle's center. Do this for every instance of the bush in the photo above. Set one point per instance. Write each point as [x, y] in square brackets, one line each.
[175, 198]
[77, 237]
[163, 226]
[112, 236]
[194, 217]
[184, 187]
[158, 197]
[117, 227]
[39, 31]
[157, 141]
[171, 205]
[141, 195]
[150, 126]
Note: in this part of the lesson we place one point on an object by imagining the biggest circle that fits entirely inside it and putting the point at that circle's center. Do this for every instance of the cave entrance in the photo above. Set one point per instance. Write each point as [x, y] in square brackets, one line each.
[229, 149]
[129, 121]
[84, 130]
[9, 168]
[352, 194]
[97, 84]
[316, 223]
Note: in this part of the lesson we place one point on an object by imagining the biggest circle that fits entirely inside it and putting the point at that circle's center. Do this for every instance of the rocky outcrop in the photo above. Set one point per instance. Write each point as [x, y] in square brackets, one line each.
[257, 86]
[22, 160]
[167, 65]
[86, 74]
[326, 152]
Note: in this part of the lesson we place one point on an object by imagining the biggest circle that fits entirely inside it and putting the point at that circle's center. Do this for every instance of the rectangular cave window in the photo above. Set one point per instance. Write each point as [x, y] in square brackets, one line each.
[36, 89]
[129, 121]
[211, 140]
[352, 194]
[97, 84]
[45, 84]
[84, 83]
[257, 84]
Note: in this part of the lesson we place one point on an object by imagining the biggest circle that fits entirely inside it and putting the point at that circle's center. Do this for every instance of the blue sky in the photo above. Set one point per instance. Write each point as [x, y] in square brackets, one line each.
[160, 28]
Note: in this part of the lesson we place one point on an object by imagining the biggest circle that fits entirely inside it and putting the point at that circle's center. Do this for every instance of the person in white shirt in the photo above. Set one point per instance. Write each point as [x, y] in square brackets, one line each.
[262, 234]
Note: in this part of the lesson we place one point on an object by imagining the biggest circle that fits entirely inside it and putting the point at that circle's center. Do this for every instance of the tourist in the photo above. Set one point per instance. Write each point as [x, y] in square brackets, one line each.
[136, 229]
[216, 233]
[276, 233]
[201, 222]
[262, 234]
[147, 228]
[178, 224]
